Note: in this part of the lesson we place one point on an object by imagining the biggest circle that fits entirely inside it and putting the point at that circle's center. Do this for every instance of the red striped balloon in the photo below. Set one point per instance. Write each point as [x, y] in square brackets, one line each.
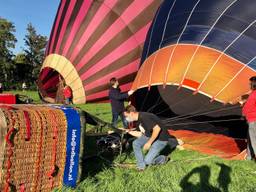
[92, 41]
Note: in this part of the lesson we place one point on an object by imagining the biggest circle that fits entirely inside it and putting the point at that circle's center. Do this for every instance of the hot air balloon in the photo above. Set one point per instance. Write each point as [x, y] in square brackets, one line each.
[196, 62]
[92, 41]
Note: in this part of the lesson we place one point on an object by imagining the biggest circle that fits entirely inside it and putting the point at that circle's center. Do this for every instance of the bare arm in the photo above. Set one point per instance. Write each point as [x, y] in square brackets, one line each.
[135, 133]
[131, 132]
[155, 133]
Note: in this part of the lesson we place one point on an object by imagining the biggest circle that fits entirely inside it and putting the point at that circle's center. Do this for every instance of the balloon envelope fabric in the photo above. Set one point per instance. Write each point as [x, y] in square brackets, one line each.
[92, 41]
[197, 60]
[41, 147]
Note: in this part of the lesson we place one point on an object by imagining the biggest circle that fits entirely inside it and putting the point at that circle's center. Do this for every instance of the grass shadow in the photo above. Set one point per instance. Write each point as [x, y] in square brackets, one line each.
[204, 176]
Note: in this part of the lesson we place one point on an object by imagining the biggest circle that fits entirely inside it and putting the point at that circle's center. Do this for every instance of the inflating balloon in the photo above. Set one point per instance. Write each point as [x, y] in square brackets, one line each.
[196, 62]
[92, 41]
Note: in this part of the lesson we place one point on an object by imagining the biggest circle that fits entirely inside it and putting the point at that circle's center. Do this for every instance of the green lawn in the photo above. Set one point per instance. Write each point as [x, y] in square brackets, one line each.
[32, 94]
[188, 171]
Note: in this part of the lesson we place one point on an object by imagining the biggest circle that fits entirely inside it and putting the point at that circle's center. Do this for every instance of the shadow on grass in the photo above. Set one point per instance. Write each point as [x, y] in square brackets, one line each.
[96, 160]
[91, 163]
[204, 175]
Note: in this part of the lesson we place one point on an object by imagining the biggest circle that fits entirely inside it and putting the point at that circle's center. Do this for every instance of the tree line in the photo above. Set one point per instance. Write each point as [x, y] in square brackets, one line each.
[24, 66]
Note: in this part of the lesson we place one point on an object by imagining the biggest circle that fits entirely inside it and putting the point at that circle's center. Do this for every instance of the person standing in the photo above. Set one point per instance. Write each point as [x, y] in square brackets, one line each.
[117, 102]
[24, 86]
[67, 92]
[1, 88]
[249, 111]
[152, 136]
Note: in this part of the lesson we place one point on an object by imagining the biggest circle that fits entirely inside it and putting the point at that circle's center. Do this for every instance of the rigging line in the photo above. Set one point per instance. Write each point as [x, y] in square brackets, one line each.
[222, 53]
[201, 42]
[178, 40]
[218, 110]
[191, 113]
[170, 106]
[207, 112]
[144, 100]
[203, 122]
[156, 104]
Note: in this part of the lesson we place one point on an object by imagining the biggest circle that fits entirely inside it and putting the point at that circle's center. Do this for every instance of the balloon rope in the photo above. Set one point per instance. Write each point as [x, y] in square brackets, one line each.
[156, 104]
[195, 112]
[213, 121]
[185, 98]
[186, 115]
[144, 100]
[199, 114]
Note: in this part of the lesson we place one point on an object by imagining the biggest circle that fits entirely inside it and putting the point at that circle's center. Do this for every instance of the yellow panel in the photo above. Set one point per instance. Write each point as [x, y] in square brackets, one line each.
[66, 69]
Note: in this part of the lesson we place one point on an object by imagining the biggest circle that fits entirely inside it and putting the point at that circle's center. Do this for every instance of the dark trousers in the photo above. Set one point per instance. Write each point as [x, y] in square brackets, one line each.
[115, 119]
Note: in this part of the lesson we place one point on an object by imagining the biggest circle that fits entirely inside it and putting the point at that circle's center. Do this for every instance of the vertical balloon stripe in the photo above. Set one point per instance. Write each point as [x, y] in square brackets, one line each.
[129, 68]
[119, 63]
[126, 33]
[104, 24]
[94, 24]
[47, 47]
[56, 25]
[50, 82]
[62, 18]
[65, 23]
[70, 24]
[130, 13]
[124, 48]
[80, 17]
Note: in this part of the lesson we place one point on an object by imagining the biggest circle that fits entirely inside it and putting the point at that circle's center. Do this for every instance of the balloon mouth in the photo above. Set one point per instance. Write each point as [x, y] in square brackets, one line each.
[181, 110]
[48, 83]
[56, 71]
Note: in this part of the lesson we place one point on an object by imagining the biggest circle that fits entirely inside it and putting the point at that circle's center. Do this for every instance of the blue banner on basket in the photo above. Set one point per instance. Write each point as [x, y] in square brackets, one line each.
[72, 146]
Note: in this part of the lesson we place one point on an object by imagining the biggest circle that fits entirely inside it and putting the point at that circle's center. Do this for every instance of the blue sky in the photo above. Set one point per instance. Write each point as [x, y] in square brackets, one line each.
[40, 13]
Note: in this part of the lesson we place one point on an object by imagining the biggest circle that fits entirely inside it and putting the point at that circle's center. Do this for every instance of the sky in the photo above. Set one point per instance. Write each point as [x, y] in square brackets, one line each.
[40, 13]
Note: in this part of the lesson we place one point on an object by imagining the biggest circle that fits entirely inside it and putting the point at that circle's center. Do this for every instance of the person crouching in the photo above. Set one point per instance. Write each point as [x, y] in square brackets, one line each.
[152, 136]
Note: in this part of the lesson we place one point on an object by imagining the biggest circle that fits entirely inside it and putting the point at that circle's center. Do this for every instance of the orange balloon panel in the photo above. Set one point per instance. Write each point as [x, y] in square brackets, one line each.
[211, 72]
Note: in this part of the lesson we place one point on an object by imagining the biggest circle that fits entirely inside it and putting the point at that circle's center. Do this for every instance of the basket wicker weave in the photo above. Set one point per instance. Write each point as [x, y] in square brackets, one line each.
[3, 131]
[33, 143]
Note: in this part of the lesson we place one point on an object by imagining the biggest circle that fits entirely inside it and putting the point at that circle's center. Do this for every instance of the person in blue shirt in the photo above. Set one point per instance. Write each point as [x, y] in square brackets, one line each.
[117, 99]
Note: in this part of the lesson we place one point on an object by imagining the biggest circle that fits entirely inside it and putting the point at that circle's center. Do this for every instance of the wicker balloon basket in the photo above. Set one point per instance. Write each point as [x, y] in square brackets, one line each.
[40, 147]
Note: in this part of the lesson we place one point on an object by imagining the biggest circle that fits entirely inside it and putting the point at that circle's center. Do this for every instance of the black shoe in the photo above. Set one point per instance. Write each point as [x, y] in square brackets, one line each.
[167, 159]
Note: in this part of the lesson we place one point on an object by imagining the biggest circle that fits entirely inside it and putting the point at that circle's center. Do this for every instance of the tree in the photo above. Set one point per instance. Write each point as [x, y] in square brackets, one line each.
[7, 42]
[34, 52]
[23, 70]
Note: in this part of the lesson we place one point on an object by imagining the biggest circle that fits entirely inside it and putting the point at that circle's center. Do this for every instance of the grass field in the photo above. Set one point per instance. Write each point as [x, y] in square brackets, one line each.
[188, 171]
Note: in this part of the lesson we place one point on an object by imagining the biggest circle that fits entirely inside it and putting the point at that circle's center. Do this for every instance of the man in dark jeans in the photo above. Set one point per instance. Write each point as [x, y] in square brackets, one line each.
[152, 136]
[117, 102]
